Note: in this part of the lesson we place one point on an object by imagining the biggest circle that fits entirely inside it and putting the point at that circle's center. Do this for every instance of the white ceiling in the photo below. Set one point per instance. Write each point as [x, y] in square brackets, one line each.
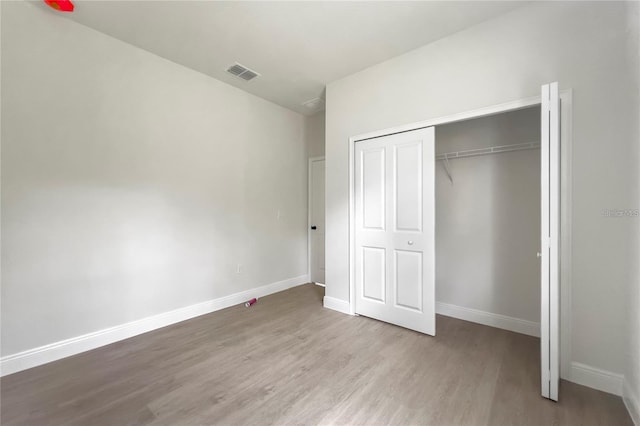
[297, 47]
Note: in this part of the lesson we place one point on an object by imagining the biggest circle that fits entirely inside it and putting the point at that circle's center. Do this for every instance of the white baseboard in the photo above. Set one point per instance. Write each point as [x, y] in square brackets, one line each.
[632, 403]
[336, 305]
[62, 349]
[487, 318]
[596, 378]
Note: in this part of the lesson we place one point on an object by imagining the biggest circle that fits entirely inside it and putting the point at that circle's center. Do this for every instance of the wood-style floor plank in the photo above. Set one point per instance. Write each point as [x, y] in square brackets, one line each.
[287, 360]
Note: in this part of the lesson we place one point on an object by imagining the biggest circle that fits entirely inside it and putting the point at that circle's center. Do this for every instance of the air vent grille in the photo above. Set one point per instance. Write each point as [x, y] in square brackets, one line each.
[236, 69]
[242, 72]
[248, 75]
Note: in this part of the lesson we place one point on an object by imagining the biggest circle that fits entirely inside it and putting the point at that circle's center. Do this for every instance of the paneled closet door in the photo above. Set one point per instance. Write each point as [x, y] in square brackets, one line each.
[549, 241]
[395, 229]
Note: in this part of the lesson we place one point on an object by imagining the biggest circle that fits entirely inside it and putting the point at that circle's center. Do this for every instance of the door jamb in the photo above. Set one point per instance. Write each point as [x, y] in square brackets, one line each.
[309, 193]
[566, 104]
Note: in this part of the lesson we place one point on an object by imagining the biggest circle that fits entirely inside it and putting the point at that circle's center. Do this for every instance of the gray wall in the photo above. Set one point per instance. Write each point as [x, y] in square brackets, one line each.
[583, 46]
[314, 134]
[488, 219]
[132, 186]
[632, 371]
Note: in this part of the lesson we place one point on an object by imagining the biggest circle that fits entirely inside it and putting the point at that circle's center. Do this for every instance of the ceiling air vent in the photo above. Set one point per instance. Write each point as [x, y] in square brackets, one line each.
[242, 72]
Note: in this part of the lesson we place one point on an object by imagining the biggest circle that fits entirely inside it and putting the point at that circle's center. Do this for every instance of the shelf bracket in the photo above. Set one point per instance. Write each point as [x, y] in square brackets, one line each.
[447, 167]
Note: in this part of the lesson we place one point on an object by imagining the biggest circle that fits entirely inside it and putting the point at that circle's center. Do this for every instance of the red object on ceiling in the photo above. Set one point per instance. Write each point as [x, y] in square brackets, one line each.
[61, 5]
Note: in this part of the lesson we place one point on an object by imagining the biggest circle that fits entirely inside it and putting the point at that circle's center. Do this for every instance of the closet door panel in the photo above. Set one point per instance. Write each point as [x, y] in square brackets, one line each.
[408, 279]
[373, 188]
[408, 186]
[374, 274]
[550, 242]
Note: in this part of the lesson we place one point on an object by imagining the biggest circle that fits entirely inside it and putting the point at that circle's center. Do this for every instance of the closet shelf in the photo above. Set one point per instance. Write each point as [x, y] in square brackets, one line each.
[487, 151]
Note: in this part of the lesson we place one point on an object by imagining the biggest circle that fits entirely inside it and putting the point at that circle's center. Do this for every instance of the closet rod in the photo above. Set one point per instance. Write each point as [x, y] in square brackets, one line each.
[488, 150]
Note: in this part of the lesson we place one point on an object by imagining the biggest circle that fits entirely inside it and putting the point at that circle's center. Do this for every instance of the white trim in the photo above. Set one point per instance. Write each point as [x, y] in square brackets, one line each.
[596, 378]
[336, 305]
[554, 238]
[632, 403]
[352, 233]
[504, 322]
[75, 345]
[545, 241]
[565, 202]
[309, 192]
[320, 284]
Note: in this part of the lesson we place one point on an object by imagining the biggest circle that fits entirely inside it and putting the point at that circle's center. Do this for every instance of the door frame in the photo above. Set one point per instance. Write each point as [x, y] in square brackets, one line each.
[309, 193]
[566, 100]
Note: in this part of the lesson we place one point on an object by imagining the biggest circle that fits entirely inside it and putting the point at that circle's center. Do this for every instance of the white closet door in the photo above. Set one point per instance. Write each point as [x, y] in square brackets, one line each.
[550, 219]
[395, 229]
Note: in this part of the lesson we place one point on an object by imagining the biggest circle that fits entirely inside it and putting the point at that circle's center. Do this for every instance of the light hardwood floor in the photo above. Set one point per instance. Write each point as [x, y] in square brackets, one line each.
[287, 360]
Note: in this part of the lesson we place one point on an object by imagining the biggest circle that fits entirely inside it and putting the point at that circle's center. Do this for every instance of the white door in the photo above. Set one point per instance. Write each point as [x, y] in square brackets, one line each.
[316, 220]
[550, 220]
[395, 229]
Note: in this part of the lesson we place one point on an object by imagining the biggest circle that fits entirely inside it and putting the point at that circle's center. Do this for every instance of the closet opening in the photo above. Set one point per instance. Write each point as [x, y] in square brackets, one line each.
[468, 216]
[488, 219]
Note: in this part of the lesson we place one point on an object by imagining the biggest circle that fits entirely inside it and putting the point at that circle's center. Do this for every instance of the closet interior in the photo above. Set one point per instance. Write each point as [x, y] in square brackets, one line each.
[488, 219]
